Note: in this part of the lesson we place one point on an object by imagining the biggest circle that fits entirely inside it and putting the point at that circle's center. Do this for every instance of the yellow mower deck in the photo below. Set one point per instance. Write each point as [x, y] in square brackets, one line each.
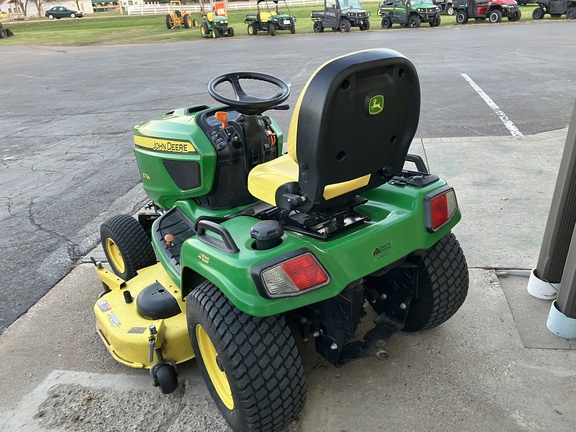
[126, 333]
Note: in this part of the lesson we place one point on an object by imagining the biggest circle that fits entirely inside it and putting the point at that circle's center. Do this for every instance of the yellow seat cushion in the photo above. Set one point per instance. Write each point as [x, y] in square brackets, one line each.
[266, 178]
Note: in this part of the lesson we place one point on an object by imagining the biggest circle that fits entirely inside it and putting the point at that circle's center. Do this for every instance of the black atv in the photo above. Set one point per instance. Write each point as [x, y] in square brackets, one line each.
[340, 16]
[556, 8]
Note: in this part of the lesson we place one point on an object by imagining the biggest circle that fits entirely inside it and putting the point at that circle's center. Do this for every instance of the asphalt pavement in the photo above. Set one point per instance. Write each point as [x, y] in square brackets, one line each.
[67, 165]
[493, 367]
[66, 153]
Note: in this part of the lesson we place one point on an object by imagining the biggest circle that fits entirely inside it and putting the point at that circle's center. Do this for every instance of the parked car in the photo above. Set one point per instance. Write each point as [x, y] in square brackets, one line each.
[63, 12]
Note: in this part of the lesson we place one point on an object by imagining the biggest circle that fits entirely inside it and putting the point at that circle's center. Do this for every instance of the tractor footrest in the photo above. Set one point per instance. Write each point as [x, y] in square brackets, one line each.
[170, 231]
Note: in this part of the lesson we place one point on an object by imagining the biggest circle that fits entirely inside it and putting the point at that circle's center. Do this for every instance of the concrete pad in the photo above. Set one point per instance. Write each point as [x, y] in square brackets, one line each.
[528, 312]
[473, 373]
[504, 187]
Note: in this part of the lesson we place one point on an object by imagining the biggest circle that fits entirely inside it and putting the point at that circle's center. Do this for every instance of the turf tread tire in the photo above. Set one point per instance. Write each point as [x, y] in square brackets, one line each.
[132, 241]
[442, 285]
[259, 357]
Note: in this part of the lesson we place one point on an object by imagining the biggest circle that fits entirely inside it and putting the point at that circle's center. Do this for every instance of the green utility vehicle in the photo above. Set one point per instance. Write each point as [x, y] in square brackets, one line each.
[215, 20]
[340, 16]
[409, 13]
[244, 247]
[270, 20]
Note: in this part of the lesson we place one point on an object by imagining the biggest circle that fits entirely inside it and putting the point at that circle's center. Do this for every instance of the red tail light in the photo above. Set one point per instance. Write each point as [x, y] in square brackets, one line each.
[440, 206]
[304, 272]
[294, 275]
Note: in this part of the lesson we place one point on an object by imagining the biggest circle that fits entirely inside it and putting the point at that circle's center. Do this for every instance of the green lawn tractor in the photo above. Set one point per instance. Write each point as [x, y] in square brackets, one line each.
[409, 13]
[270, 20]
[243, 247]
[215, 21]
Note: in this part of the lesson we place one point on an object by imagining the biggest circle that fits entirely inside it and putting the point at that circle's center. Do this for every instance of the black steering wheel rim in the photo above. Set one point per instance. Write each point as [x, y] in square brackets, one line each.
[244, 103]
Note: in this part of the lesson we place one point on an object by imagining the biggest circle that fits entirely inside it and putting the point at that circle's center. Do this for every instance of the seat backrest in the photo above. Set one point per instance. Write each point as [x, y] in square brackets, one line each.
[353, 124]
[265, 16]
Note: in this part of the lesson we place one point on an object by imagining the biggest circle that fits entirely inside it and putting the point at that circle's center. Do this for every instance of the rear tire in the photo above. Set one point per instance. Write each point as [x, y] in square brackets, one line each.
[250, 364]
[538, 13]
[462, 17]
[318, 27]
[571, 13]
[386, 22]
[187, 21]
[442, 285]
[126, 245]
[252, 30]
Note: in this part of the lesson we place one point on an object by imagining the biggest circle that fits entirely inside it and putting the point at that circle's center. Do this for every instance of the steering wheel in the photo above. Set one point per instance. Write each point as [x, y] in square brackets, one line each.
[245, 103]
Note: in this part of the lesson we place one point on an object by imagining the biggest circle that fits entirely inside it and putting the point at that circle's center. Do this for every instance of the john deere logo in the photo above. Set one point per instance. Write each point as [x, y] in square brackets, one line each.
[376, 105]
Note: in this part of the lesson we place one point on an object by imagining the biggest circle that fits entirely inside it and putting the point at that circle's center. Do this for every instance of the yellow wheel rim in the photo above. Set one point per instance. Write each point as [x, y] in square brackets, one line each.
[116, 258]
[218, 377]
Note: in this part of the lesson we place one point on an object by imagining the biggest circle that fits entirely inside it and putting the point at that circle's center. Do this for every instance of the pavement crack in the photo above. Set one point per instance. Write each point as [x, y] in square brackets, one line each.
[73, 249]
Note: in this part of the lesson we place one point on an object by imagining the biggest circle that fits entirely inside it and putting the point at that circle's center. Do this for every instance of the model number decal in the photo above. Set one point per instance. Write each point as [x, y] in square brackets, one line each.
[204, 258]
[164, 145]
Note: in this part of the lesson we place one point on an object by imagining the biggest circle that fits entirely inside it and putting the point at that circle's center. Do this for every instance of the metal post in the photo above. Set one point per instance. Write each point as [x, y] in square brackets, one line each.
[566, 301]
[557, 260]
[562, 217]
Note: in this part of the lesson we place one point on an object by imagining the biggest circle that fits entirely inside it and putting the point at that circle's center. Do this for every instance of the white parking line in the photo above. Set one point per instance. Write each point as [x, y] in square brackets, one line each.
[507, 122]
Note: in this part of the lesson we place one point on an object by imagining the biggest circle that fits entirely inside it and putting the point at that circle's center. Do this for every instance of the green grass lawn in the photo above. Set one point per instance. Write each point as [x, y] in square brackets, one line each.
[113, 28]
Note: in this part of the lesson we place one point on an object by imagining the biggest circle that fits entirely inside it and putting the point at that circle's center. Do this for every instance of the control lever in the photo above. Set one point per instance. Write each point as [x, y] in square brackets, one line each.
[222, 116]
[284, 107]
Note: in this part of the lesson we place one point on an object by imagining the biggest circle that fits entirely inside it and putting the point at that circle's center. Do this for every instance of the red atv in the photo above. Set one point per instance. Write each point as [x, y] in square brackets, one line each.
[494, 10]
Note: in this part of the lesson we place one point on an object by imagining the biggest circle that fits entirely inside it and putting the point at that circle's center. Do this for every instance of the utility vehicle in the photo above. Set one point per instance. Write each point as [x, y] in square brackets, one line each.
[409, 13]
[178, 17]
[493, 10]
[556, 8]
[340, 16]
[270, 20]
[244, 246]
[215, 21]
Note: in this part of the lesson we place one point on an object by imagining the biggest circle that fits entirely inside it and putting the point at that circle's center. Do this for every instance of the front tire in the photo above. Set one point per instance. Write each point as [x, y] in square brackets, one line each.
[442, 285]
[250, 364]
[414, 21]
[515, 16]
[495, 16]
[436, 22]
[126, 245]
[169, 22]
[344, 26]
